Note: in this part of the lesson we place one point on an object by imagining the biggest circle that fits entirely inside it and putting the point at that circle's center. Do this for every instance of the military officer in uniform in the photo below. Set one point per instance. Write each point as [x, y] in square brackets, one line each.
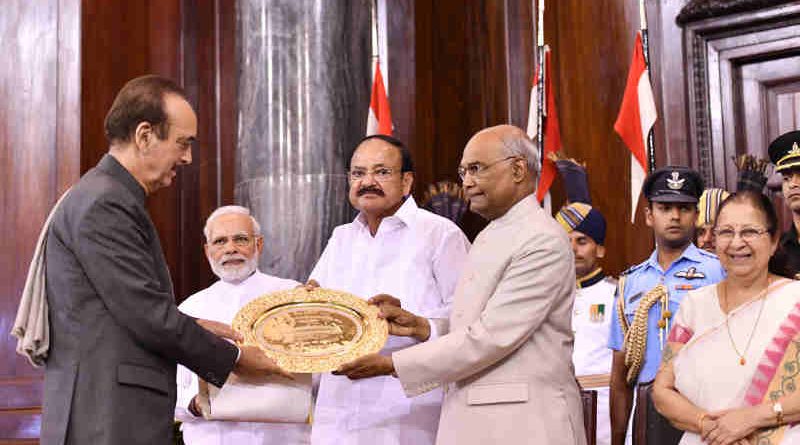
[649, 294]
[594, 297]
[784, 152]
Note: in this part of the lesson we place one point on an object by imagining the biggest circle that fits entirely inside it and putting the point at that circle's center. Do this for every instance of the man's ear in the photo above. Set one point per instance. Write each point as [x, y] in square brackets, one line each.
[601, 251]
[408, 182]
[648, 216]
[519, 169]
[259, 245]
[143, 135]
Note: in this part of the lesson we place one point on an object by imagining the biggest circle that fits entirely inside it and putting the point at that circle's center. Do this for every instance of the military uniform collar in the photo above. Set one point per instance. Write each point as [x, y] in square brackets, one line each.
[790, 237]
[590, 279]
[111, 166]
[691, 253]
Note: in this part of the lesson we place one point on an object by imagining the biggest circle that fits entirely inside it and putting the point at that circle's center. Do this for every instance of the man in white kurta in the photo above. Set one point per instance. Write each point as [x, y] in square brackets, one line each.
[233, 245]
[413, 255]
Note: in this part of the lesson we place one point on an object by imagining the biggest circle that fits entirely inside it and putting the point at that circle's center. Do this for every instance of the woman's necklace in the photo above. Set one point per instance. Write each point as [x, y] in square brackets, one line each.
[762, 294]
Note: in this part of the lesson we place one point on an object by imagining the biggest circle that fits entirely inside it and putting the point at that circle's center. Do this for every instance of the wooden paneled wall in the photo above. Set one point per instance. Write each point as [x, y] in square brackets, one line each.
[69, 59]
[39, 124]
[592, 44]
[456, 67]
[193, 42]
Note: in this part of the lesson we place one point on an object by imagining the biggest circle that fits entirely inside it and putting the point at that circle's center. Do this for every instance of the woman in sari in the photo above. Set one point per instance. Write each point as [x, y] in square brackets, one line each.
[732, 362]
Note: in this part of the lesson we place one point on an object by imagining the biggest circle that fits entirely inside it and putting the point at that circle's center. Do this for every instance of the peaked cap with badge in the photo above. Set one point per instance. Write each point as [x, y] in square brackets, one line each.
[784, 151]
[673, 184]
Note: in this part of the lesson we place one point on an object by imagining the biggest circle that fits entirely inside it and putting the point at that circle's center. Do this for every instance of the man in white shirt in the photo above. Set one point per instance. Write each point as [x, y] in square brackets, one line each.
[233, 245]
[392, 247]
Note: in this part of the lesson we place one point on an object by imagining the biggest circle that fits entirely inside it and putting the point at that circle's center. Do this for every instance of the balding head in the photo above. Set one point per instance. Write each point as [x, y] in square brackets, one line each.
[500, 165]
[515, 142]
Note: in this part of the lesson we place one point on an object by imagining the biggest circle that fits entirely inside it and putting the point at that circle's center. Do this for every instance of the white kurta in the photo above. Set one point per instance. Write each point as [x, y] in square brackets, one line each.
[591, 318]
[415, 256]
[220, 302]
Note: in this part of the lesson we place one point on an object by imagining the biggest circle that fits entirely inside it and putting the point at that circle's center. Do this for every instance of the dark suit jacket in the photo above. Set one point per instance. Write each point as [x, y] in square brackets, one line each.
[116, 334]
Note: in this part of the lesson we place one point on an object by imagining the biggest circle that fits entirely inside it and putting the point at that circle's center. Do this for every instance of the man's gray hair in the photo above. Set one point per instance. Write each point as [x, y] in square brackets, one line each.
[519, 144]
[227, 210]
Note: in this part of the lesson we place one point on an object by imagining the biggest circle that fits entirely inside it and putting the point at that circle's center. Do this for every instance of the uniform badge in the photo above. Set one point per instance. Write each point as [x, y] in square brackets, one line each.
[635, 297]
[675, 182]
[597, 313]
[690, 274]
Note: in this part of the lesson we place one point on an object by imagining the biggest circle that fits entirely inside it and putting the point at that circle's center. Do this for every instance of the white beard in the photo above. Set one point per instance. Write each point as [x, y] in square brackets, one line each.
[234, 274]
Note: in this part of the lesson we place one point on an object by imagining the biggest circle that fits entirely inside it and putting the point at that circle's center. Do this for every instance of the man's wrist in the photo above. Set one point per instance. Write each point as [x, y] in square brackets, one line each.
[193, 408]
[422, 332]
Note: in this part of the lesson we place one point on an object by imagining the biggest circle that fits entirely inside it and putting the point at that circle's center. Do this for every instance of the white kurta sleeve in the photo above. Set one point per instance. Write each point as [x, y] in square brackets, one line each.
[448, 262]
[322, 270]
[187, 387]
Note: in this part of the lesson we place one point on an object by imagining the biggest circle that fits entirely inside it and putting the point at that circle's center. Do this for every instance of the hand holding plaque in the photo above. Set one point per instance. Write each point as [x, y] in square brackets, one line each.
[311, 329]
[402, 323]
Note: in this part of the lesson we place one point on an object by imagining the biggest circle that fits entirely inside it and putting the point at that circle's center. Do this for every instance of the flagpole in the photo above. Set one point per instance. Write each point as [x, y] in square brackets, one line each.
[375, 37]
[540, 84]
[651, 143]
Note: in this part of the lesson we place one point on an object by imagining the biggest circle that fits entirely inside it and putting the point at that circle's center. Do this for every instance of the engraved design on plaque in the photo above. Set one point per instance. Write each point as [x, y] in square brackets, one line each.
[312, 331]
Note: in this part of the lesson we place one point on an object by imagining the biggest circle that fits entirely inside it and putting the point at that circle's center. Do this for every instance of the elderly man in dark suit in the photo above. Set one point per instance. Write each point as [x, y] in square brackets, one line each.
[116, 334]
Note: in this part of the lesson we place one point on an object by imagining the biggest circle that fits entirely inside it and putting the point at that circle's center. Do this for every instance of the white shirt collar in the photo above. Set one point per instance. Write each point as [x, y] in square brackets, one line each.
[405, 215]
[243, 282]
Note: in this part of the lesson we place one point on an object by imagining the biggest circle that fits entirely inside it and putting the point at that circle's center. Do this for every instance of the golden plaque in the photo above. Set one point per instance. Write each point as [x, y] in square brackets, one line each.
[312, 331]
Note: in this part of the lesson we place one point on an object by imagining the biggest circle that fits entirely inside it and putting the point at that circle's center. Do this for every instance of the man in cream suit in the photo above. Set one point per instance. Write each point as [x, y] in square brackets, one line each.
[506, 358]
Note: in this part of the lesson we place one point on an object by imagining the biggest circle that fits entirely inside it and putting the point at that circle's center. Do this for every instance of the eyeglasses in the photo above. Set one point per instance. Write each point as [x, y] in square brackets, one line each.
[748, 234]
[239, 240]
[476, 169]
[381, 174]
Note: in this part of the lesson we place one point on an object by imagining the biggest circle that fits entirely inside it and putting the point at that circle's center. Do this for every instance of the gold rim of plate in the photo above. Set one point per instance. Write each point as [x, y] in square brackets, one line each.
[312, 331]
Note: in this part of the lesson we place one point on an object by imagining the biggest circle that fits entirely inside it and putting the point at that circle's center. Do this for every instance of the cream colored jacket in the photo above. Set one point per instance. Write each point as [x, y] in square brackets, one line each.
[506, 360]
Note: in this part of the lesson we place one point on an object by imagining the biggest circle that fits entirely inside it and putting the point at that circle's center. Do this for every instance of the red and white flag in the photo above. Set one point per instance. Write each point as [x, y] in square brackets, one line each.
[552, 131]
[379, 119]
[636, 118]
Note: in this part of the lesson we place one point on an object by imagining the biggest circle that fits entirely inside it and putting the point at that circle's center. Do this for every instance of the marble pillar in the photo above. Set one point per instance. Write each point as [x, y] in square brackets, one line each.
[303, 95]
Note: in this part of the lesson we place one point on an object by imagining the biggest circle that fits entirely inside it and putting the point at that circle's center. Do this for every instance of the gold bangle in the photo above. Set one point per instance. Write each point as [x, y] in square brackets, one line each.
[700, 418]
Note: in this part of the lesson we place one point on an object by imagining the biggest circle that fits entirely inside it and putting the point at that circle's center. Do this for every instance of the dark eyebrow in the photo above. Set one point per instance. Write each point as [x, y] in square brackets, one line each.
[188, 140]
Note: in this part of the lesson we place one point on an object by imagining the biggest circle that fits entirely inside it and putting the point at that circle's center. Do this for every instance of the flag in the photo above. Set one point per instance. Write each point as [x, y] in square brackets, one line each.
[636, 117]
[379, 119]
[552, 131]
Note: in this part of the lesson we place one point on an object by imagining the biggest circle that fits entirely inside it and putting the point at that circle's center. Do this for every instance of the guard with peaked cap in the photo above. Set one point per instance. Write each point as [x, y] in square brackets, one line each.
[591, 313]
[784, 152]
[673, 184]
[649, 293]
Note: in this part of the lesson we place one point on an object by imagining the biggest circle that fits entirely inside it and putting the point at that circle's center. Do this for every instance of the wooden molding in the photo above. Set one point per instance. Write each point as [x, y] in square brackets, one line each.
[697, 10]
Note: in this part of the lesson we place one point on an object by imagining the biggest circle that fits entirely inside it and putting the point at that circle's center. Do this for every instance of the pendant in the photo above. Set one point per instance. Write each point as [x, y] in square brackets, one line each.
[742, 361]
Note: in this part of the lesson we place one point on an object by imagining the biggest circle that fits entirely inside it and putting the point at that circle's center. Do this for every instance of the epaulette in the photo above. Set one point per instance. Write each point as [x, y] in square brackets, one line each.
[632, 269]
[708, 254]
